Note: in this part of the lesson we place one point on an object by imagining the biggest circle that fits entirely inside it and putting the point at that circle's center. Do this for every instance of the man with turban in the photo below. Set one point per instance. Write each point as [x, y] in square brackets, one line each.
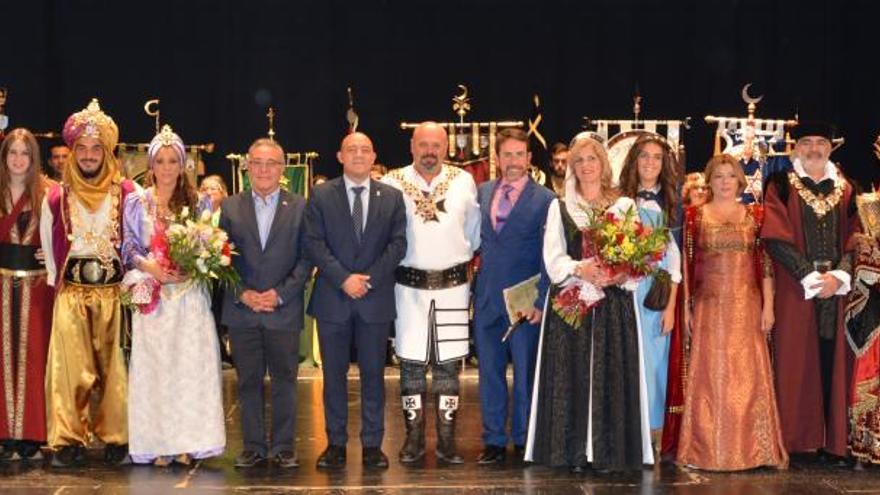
[81, 233]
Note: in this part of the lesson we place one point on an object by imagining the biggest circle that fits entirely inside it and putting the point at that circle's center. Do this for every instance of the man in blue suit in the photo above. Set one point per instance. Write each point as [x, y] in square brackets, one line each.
[356, 236]
[514, 210]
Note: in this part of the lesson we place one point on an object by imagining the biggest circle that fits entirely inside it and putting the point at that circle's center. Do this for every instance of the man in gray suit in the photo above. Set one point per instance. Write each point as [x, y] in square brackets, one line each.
[265, 313]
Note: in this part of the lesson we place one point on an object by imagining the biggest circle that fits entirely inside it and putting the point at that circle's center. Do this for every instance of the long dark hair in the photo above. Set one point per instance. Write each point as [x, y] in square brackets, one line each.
[668, 179]
[185, 192]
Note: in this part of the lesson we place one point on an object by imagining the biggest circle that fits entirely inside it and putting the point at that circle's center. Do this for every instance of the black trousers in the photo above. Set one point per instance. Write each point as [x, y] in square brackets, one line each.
[336, 341]
[256, 351]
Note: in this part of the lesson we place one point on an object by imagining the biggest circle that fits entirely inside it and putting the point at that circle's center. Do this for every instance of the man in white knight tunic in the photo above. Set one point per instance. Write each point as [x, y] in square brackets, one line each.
[81, 232]
[432, 290]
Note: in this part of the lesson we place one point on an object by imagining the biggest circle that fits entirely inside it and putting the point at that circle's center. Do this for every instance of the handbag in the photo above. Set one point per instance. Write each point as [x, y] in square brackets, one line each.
[658, 295]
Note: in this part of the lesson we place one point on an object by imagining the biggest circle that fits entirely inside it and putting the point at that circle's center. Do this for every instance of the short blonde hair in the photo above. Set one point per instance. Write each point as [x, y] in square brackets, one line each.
[724, 159]
[582, 141]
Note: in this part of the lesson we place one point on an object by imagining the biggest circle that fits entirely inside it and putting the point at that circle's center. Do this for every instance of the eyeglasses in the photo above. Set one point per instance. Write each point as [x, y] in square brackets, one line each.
[263, 165]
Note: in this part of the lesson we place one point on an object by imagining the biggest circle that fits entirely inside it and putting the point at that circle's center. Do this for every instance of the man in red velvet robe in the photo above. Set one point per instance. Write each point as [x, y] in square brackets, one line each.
[809, 217]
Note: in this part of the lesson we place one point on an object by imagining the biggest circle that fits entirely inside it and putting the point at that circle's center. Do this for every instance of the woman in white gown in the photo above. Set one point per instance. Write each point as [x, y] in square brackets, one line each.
[175, 408]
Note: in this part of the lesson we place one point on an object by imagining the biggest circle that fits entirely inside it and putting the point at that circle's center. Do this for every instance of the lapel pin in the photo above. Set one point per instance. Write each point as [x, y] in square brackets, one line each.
[284, 203]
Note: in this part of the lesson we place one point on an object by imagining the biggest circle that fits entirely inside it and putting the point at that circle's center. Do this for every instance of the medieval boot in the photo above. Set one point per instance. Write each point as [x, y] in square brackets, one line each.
[413, 449]
[447, 405]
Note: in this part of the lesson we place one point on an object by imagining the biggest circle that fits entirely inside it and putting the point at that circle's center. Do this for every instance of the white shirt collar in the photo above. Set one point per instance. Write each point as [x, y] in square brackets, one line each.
[349, 182]
[830, 171]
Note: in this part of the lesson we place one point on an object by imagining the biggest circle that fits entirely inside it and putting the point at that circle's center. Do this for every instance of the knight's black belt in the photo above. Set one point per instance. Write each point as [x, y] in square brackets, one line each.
[15, 257]
[432, 279]
[91, 271]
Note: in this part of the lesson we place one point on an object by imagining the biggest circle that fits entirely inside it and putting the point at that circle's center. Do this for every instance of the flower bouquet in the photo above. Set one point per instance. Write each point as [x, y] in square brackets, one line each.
[190, 245]
[622, 244]
[201, 250]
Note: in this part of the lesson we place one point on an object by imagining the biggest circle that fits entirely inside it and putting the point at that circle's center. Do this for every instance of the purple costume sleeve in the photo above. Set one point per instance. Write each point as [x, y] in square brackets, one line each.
[133, 244]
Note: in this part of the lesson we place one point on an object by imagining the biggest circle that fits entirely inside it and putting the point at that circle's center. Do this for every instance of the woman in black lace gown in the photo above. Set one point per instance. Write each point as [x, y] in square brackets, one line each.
[589, 403]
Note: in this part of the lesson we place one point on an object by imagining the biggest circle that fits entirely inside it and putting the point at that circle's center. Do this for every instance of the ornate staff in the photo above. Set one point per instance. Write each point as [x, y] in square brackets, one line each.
[149, 110]
[479, 139]
[629, 130]
[751, 129]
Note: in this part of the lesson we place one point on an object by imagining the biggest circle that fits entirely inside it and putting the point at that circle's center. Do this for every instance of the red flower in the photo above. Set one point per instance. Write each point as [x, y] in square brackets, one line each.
[226, 251]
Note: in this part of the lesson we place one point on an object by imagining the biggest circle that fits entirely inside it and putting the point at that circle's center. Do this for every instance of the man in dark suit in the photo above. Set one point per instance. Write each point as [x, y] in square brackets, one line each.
[514, 210]
[356, 236]
[265, 313]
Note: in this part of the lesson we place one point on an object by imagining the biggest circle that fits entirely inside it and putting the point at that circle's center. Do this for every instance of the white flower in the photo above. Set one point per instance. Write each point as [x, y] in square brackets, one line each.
[200, 264]
[206, 216]
[184, 212]
[224, 260]
[176, 230]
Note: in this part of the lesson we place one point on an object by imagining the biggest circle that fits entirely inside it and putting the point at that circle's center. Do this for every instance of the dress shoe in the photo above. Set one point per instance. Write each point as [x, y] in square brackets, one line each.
[832, 460]
[68, 456]
[577, 469]
[333, 457]
[249, 459]
[116, 454]
[373, 457]
[492, 454]
[286, 459]
[29, 450]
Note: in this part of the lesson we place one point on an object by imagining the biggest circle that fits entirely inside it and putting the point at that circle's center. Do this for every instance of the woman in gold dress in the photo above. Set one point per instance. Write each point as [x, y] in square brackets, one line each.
[730, 420]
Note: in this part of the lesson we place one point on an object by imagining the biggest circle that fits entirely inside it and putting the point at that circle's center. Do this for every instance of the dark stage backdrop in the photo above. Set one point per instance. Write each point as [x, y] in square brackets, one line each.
[216, 65]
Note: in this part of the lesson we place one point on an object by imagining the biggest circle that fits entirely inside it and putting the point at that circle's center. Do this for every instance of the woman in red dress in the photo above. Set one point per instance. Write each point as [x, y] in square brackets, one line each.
[730, 420]
[25, 299]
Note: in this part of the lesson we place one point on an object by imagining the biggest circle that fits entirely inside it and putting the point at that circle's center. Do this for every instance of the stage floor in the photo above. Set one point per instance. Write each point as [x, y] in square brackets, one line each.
[218, 475]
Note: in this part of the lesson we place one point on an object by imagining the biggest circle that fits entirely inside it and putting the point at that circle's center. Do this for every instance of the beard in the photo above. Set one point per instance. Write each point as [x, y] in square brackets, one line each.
[429, 162]
[90, 174]
[813, 159]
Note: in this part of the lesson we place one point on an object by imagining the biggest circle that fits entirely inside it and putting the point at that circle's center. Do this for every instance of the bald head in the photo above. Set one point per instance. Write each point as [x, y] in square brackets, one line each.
[429, 145]
[356, 156]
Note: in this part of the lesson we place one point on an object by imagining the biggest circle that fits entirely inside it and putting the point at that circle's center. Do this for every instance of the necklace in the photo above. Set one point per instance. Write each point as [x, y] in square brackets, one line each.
[428, 204]
[104, 242]
[820, 204]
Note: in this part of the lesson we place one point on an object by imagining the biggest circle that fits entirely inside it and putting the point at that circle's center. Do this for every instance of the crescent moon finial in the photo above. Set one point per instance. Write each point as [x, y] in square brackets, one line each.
[152, 110]
[748, 99]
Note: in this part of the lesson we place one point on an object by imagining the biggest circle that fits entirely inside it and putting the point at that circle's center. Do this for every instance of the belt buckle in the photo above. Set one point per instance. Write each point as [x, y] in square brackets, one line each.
[92, 271]
[433, 279]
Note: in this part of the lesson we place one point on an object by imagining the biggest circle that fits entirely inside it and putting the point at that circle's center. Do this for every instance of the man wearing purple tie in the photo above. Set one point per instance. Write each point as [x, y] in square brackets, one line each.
[514, 210]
